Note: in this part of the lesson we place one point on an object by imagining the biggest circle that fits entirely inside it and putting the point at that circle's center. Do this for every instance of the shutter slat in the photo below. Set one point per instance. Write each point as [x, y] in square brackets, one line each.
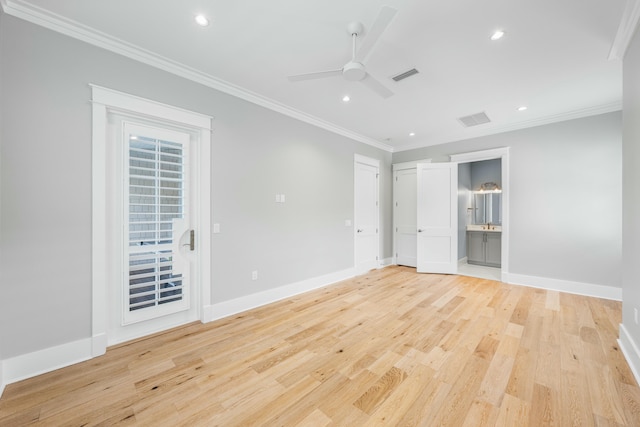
[156, 197]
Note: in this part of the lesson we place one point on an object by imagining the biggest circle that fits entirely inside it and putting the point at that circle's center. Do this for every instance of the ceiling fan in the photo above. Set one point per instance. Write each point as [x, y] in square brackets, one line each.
[355, 70]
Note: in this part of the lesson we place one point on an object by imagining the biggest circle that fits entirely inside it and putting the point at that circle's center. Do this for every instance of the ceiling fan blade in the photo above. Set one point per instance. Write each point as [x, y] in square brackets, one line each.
[381, 23]
[376, 86]
[318, 75]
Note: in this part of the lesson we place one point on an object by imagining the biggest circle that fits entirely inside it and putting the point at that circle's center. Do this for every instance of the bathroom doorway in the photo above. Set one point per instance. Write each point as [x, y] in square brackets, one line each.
[483, 213]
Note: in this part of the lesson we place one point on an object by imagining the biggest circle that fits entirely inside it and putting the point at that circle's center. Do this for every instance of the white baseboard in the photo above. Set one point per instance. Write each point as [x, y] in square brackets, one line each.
[385, 262]
[587, 289]
[630, 351]
[46, 360]
[2, 382]
[238, 305]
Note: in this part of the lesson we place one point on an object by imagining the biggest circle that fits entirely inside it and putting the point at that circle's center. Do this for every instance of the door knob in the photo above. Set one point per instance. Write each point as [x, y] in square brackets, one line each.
[360, 230]
[420, 230]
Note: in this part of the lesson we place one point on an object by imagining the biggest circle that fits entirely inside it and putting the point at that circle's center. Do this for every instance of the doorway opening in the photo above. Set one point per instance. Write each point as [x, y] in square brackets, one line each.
[483, 215]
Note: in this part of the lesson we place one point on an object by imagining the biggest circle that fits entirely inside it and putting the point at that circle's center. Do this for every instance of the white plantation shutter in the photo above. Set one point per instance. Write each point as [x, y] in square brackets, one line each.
[156, 201]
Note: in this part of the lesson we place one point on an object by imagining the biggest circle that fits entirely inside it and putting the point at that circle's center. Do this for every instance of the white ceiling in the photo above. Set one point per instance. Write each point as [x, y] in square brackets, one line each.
[553, 58]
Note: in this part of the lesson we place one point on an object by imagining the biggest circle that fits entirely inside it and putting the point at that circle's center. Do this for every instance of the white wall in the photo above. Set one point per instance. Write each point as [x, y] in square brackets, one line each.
[45, 186]
[630, 330]
[565, 200]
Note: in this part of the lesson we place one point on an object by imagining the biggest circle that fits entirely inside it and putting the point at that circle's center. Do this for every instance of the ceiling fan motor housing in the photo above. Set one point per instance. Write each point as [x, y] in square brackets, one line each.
[354, 71]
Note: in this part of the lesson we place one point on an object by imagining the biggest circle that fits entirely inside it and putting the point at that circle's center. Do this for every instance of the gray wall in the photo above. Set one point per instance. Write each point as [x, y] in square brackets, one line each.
[486, 171]
[45, 193]
[565, 196]
[631, 189]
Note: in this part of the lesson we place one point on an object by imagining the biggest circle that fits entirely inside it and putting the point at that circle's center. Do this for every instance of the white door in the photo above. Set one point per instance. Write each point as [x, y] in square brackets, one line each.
[405, 216]
[366, 214]
[437, 208]
[157, 245]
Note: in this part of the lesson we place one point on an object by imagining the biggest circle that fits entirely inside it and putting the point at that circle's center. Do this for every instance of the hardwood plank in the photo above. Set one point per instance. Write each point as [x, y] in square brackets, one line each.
[390, 347]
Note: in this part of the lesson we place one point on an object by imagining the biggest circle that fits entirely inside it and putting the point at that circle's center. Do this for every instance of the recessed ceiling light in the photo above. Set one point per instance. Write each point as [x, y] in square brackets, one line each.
[524, 107]
[346, 98]
[412, 134]
[202, 20]
[497, 35]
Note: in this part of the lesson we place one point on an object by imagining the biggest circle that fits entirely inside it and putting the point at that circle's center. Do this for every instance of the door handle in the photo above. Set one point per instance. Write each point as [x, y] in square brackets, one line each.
[420, 230]
[360, 230]
[192, 240]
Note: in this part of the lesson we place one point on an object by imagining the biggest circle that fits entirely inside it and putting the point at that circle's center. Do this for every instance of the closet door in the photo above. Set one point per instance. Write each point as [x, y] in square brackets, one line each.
[405, 216]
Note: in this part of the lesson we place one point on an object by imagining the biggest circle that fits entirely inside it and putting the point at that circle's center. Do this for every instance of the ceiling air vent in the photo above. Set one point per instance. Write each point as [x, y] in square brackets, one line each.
[406, 74]
[474, 119]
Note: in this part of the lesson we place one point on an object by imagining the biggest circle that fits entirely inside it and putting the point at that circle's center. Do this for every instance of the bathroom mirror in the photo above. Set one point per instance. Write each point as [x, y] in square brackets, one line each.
[487, 208]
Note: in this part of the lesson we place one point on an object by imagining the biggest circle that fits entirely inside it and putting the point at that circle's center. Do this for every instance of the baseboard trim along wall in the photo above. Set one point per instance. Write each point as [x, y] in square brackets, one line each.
[385, 262]
[630, 351]
[42, 361]
[247, 302]
[586, 289]
[2, 383]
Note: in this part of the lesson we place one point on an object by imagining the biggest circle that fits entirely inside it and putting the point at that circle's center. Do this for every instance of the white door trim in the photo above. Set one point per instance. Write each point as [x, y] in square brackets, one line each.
[106, 101]
[503, 154]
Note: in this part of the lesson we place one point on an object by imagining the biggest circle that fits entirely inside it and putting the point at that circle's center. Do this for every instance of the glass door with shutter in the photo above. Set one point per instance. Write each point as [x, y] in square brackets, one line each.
[156, 230]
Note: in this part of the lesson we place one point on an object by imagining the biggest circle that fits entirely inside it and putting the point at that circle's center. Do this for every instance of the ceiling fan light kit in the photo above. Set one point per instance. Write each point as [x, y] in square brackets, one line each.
[355, 70]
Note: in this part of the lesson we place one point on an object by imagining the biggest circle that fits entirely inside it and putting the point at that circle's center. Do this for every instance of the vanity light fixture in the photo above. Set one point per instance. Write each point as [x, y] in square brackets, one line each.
[497, 35]
[202, 20]
[490, 187]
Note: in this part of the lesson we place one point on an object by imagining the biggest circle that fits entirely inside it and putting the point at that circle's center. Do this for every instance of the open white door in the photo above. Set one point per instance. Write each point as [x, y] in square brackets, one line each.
[437, 205]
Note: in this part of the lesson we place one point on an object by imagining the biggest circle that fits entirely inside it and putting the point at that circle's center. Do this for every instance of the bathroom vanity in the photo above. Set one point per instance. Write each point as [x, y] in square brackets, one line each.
[484, 238]
[484, 245]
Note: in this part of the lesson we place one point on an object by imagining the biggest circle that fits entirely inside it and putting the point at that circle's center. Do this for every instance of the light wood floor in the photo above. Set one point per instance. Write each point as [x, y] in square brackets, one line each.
[388, 348]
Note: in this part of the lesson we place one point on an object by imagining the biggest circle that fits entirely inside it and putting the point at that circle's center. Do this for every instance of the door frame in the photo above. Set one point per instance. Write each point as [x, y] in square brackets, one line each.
[358, 158]
[501, 153]
[104, 103]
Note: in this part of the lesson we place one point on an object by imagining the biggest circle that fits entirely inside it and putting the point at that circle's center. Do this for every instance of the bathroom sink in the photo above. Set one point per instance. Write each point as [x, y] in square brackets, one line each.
[483, 227]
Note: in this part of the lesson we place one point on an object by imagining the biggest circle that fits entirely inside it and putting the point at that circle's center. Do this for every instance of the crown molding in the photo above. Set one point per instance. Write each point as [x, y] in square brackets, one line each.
[71, 28]
[555, 118]
[626, 30]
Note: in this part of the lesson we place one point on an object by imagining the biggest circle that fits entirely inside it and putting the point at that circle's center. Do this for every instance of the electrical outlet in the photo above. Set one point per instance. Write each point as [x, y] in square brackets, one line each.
[254, 275]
